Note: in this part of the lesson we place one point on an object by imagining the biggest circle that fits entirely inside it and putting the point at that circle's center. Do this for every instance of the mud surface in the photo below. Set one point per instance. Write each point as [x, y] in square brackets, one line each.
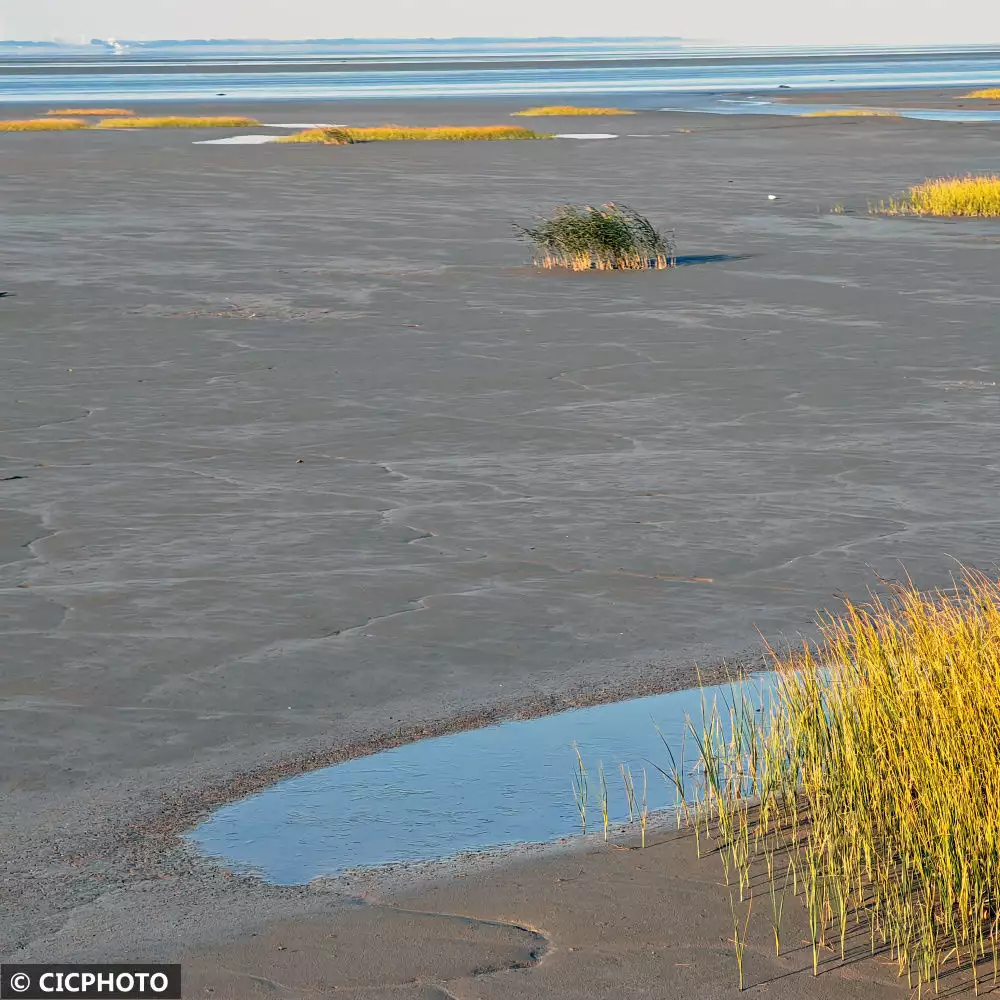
[310, 460]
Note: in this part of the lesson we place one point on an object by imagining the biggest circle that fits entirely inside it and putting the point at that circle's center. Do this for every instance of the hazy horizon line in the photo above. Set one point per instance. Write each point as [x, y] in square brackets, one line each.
[54, 40]
[263, 40]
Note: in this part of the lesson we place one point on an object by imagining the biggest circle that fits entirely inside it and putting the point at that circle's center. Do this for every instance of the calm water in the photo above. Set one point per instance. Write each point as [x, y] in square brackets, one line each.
[637, 68]
[722, 104]
[493, 787]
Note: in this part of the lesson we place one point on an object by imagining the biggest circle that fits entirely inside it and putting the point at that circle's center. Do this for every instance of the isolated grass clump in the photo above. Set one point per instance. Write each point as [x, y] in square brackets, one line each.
[871, 786]
[324, 136]
[569, 110]
[610, 238]
[850, 113]
[42, 125]
[177, 122]
[447, 133]
[989, 94]
[91, 112]
[970, 196]
[403, 133]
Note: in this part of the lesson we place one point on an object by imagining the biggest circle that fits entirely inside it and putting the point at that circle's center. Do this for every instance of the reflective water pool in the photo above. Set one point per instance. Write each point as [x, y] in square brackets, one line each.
[502, 785]
[740, 104]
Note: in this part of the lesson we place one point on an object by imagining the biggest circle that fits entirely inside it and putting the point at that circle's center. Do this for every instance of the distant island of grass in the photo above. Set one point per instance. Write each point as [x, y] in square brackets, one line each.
[90, 112]
[42, 125]
[569, 111]
[851, 113]
[391, 133]
[177, 122]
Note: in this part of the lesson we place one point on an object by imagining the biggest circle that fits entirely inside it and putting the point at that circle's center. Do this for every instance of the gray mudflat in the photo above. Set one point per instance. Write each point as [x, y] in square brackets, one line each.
[512, 485]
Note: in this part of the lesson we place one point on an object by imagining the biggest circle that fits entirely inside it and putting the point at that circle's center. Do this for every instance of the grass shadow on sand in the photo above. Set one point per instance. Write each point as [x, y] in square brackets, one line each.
[692, 260]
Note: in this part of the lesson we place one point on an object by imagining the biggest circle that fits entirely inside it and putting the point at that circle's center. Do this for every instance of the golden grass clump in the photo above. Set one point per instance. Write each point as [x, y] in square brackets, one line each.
[610, 238]
[989, 94]
[91, 112]
[177, 122]
[402, 133]
[445, 133]
[42, 125]
[970, 196]
[850, 113]
[871, 788]
[325, 136]
[569, 110]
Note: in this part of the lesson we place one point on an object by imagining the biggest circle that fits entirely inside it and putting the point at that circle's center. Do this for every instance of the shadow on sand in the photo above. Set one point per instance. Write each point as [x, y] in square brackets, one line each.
[709, 258]
[688, 260]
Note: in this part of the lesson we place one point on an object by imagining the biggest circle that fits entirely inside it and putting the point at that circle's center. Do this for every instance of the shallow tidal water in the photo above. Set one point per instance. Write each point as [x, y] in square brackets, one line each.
[758, 104]
[499, 786]
[352, 70]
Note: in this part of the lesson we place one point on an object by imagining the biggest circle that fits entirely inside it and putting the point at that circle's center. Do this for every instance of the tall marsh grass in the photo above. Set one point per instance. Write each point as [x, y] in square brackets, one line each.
[870, 784]
[989, 94]
[970, 196]
[177, 122]
[403, 133]
[610, 238]
[42, 125]
[569, 110]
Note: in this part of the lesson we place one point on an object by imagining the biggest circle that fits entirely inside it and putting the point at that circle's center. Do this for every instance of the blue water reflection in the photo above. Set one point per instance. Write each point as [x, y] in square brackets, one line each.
[468, 68]
[505, 784]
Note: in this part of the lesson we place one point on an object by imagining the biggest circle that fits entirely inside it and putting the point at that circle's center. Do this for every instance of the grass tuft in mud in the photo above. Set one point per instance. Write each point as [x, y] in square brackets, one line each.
[609, 238]
[971, 196]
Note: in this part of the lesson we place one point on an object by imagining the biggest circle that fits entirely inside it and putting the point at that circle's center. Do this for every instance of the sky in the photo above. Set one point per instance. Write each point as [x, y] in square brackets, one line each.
[753, 22]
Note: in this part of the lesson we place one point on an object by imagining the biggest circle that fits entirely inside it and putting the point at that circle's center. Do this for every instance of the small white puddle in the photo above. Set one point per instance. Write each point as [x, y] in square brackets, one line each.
[586, 135]
[238, 140]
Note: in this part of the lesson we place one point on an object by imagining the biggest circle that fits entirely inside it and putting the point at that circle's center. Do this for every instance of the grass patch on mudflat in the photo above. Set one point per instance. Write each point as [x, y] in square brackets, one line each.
[610, 238]
[569, 111]
[402, 133]
[323, 136]
[870, 785]
[969, 197]
[851, 113]
[91, 112]
[177, 122]
[42, 125]
[989, 94]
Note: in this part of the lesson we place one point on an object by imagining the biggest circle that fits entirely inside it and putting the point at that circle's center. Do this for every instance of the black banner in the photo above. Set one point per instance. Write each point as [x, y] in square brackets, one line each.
[90, 982]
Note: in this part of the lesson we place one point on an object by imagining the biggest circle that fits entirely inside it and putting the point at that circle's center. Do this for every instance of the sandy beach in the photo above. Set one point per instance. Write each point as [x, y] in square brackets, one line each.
[300, 458]
[594, 923]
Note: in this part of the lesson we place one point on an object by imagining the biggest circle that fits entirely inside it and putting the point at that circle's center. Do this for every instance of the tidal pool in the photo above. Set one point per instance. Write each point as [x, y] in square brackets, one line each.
[499, 786]
[760, 105]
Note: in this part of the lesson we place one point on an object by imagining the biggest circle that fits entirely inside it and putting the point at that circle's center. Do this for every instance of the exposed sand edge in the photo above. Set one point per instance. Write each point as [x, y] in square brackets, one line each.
[595, 921]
